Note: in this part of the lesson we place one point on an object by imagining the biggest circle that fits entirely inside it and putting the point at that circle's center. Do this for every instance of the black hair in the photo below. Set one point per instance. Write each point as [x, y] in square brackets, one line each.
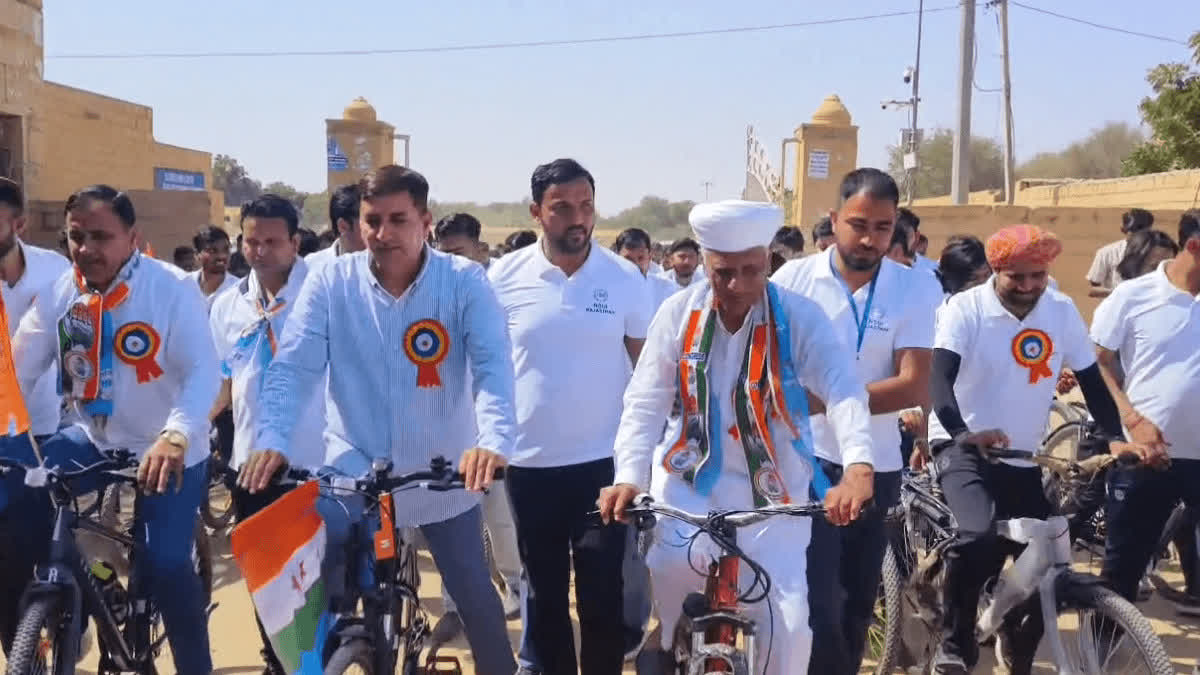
[823, 228]
[343, 205]
[1136, 220]
[1189, 226]
[270, 205]
[556, 173]
[680, 244]
[327, 237]
[209, 235]
[182, 252]
[519, 239]
[632, 238]
[901, 233]
[911, 219]
[872, 182]
[463, 224]
[790, 237]
[120, 202]
[11, 195]
[961, 258]
[391, 180]
[309, 241]
[1141, 243]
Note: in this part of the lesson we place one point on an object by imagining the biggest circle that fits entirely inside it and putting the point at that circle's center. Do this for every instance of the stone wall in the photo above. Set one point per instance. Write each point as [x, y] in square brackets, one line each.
[1171, 190]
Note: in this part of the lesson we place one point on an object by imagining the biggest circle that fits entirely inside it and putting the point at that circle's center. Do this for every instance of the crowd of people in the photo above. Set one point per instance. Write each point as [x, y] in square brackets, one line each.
[725, 370]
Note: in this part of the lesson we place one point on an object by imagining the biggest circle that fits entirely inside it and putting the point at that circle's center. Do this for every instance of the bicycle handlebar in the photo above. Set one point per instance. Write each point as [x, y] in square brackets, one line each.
[117, 462]
[1061, 466]
[440, 477]
[645, 505]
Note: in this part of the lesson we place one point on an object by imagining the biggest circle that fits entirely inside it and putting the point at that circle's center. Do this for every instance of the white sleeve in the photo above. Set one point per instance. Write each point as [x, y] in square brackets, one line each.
[954, 328]
[641, 310]
[825, 366]
[1078, 352]
[916, 325]
[1108, 328]
[1099, 271]
[194, 360]
[35, 344]
[649, 396]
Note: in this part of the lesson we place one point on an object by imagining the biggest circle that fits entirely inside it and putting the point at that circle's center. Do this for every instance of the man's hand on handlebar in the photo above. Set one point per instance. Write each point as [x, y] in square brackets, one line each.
[259, 469]
[989, 438]
[1153, 456]
[613, 501]
[845, 502]
[477, 466]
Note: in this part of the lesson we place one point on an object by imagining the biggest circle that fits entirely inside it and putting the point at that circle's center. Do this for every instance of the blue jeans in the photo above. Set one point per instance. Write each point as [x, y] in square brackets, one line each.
[163, 539]
[1139, 502]
[457, 548]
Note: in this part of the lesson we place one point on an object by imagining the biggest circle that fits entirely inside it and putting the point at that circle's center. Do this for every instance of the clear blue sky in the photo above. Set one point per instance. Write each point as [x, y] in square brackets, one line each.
[655, 117]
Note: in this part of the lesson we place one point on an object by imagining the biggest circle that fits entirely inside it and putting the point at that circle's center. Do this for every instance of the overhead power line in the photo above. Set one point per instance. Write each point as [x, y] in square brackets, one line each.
[490, 46]
[1093, 24]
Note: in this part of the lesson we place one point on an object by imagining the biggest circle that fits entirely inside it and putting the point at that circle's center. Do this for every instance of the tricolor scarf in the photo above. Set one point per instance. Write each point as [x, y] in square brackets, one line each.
[257, 341]
[767, 389]
[86, 342]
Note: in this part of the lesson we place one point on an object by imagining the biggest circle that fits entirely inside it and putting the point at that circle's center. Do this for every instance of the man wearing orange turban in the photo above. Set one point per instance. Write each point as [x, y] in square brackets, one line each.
[996, 350]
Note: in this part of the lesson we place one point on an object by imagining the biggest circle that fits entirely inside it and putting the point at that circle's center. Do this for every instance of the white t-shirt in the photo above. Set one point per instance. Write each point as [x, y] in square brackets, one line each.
[318, 259]
[228, 282]
[232, 316]
[43, 267]
[901, 316]
[925, 264]
[1155, 326]
[1103, 271]
[697, 277]
[660, 290]
[568, 337]
[993, 389]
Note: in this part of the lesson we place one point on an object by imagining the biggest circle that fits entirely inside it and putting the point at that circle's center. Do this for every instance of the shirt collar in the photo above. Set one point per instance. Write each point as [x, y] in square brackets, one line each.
[427, 254]
[547, 270]
[123, 275]
[991, 305]
[1166, 289]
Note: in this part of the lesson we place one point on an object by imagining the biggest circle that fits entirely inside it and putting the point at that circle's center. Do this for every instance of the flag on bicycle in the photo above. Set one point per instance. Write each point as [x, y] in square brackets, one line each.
[15, 416]
[279, 551]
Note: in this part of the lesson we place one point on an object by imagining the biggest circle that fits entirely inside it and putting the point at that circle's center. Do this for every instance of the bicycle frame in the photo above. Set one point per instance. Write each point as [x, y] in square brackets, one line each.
[714, 632]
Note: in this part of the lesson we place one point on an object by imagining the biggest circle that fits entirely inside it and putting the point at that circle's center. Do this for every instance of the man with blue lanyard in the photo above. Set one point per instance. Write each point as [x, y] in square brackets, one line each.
[739, 449]
[880, 310]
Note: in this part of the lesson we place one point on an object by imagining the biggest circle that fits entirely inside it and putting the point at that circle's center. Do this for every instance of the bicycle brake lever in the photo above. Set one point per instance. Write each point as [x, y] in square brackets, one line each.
[36, 477]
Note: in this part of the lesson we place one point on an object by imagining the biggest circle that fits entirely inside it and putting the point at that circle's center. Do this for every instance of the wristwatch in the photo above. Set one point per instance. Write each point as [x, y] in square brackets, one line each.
[175, 438]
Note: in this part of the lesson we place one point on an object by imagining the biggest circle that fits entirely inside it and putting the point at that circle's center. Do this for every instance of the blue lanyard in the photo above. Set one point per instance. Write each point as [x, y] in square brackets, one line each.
[860, 321]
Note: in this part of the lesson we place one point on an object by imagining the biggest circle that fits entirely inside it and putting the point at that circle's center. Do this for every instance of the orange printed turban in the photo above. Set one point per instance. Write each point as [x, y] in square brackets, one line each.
[1018, 244]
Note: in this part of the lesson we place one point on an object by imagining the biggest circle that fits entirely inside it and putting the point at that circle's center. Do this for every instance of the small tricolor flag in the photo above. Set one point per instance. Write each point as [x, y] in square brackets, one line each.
[279, 551]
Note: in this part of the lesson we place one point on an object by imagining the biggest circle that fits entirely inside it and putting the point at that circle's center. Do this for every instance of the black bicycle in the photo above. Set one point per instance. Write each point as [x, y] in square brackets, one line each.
[388, 628]
[67, 590]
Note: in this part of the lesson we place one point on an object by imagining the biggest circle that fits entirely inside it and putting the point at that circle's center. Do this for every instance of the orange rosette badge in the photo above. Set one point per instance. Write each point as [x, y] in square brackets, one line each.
[426, 343]
[137, 344]
[1032, 349]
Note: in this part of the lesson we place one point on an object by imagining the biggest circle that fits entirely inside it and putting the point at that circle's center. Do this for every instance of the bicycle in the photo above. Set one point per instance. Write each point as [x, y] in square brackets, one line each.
[217, 510]
[392, 628]
[1107, 622]
[706, 639]
[67, 592]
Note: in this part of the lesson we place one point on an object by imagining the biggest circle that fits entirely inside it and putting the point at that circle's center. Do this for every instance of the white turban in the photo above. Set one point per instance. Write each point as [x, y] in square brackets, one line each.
[734, 225]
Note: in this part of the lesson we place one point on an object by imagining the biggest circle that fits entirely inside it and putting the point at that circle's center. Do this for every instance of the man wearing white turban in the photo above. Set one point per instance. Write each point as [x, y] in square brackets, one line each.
[705, 337]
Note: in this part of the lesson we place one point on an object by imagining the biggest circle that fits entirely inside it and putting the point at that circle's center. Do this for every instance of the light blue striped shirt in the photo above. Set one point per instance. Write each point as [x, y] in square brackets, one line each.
[379, 350]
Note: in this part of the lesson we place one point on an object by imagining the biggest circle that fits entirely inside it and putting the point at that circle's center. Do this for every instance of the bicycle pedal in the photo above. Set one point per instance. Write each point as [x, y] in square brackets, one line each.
[443, 664]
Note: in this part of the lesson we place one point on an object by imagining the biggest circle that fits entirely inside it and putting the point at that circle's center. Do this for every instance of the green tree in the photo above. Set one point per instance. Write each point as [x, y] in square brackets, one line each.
[231, 178]
[1173, 115]
[661, 218]
[314, 214]
[287, 192]
[935, 165]
[1099, 155]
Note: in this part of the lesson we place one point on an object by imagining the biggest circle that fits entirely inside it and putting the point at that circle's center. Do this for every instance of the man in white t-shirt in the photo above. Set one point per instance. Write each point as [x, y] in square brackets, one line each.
[997, 350]
[634, 245]
[1152, 326]
[246, 324]
[1103, 275]
[343, 219]
[576, 312]
[212, 254]
[682, 265]
[887, 324]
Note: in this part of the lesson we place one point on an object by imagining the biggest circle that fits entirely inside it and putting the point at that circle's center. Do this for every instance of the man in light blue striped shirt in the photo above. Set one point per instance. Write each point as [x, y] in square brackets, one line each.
[396, 326]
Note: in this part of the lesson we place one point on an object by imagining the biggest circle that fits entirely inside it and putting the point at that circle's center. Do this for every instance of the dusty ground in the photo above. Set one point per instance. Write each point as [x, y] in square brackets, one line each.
[235, 641]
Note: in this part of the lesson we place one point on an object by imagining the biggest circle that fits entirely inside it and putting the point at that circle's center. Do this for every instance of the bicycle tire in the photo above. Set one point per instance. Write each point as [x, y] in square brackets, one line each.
[356, 652]
[1117, 609]
[1065, 432]
[43, 613]
[216, 518]
[891, 586]
[202, 561]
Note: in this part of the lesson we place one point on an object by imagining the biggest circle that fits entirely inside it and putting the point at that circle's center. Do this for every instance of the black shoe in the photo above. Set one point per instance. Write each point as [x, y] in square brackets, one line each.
[949, 664]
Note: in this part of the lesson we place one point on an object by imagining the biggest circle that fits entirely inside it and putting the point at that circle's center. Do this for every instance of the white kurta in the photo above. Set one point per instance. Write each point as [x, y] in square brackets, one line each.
[824, 366]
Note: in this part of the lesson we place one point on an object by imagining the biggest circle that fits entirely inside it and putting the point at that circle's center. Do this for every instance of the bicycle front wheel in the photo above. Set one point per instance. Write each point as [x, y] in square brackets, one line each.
[353, 657]
[1112, 636]
[41, 641]
[883, 636]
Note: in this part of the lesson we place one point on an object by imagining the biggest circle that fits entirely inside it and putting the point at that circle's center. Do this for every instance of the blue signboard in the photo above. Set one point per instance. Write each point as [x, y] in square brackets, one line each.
[174, 179]
[337, 159]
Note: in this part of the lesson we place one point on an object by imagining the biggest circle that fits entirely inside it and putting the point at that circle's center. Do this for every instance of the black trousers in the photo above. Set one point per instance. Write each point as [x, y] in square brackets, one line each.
[980, 493]
[550, 510]
[844, 566]
[244, 506]
[1140, 501]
